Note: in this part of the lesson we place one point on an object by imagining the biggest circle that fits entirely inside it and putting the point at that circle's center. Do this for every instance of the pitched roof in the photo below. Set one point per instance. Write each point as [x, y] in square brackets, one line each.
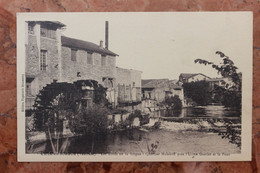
[57, 23]
[152, 83]
[156, 83]
[50, 23]
[189, 75]
[85, 45]
[145, 81]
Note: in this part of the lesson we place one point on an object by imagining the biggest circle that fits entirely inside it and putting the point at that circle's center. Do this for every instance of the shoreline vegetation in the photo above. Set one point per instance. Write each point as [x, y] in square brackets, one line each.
[226, 127]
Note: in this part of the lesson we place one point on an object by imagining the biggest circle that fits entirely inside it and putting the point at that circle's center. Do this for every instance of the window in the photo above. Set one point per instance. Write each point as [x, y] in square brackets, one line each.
[28, 89]
[90, 58]
[30, 28]
[103, 60]
[43, 59]
[48, 32]
[29, 86]
[73, 55]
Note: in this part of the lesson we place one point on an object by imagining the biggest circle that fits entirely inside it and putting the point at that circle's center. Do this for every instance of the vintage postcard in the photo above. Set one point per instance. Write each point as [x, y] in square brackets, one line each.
[164, 86]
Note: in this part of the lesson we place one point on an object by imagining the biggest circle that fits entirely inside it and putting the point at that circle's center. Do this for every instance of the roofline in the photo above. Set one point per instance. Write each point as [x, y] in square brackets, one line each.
[130, 70]
[59, 24]
[195, 75]
[102, 53]
[114, 54]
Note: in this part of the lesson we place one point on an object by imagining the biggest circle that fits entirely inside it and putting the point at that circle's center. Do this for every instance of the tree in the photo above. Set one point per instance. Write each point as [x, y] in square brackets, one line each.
[173, 102]
[197, 91]
[173, 105]
[92, 120]
[227, 69]
[232, 92]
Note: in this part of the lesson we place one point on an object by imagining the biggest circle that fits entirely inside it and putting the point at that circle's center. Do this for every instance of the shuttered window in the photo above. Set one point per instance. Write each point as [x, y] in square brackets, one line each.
[43, 60]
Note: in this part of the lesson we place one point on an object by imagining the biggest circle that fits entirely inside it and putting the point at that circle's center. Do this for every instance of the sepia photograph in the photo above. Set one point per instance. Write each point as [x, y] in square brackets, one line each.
[164, 86]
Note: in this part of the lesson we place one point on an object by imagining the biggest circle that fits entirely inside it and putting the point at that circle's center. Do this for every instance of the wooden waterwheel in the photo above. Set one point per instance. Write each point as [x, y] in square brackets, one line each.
[59, 101]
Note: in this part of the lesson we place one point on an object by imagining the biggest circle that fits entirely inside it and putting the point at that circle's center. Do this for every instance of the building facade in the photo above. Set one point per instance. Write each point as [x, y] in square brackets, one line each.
[192, 77]
[154, 91]
[129, 86]
[51, 57]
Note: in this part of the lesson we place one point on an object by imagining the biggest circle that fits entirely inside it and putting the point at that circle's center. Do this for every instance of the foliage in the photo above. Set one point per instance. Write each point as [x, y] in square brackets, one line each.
[65, 97]
[229, 98]
[91, 121]
[231, 94]
[173, 102]
[197, 91]
[227, 69]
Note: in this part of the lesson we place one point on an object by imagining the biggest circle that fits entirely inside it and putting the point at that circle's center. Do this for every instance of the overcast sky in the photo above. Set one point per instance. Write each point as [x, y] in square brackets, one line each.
[163, 45]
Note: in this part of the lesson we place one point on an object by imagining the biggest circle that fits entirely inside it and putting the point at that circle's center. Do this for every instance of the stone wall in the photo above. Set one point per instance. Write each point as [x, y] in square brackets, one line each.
[36, 43]
[128, 85]
[70, 69]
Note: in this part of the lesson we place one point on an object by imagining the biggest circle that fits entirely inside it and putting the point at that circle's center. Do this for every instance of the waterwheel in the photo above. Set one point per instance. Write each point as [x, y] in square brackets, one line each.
[59, 101]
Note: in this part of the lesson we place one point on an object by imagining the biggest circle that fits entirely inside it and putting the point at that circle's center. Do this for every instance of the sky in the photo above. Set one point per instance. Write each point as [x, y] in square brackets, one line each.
[163, 45]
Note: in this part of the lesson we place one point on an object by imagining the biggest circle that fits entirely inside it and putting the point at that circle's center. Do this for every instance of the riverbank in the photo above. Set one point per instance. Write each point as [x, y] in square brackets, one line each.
[221, 122]
[171, 137]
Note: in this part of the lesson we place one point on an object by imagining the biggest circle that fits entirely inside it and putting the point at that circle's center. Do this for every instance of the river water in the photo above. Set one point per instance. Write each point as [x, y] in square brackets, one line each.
[201, 111]
[136, 142]
[171, 137]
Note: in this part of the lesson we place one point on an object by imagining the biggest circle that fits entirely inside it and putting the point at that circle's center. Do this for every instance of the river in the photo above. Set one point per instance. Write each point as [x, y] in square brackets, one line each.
[171, 137]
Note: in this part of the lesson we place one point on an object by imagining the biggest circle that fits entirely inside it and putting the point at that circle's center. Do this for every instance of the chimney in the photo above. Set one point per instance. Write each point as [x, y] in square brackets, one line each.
[106, 35]
[101, 44]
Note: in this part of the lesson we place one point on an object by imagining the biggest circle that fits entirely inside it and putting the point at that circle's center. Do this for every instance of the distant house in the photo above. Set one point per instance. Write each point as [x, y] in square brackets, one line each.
[158, 89]
[215, 82]
[192, 77]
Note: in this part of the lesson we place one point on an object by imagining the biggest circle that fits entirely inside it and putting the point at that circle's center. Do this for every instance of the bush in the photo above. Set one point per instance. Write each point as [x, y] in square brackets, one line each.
[173, 102]
[93, 120]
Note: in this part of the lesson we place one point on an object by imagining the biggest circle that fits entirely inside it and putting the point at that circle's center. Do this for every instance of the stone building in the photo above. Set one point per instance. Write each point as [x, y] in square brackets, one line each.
[192, 77]
[51, 57]
[129, 86]
[155, 91]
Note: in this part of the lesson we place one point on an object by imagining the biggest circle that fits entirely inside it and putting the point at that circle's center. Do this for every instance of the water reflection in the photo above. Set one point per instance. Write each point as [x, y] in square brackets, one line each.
[201, 111]
[137, 140]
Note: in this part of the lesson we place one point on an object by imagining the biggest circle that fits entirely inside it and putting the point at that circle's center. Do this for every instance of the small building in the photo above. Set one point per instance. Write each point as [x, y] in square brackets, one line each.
[192, 77]
[158, 89]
